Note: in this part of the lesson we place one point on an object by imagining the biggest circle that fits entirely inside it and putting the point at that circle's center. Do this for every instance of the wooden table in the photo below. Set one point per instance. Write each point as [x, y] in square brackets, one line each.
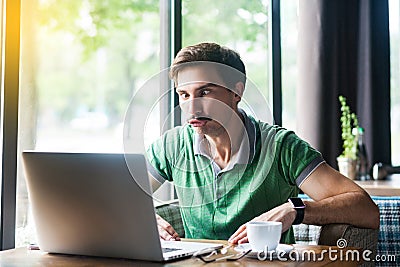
[26, 257]
[388, 187]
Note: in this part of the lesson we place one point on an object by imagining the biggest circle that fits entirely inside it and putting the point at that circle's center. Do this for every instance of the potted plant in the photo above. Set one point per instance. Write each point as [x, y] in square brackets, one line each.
[347, 161]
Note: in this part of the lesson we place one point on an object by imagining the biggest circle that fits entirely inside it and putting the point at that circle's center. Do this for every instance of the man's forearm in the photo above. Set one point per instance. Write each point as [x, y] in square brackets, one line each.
[354, 208]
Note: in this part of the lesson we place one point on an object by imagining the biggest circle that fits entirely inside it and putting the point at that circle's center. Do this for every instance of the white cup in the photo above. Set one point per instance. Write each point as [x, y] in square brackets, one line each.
[264, 236]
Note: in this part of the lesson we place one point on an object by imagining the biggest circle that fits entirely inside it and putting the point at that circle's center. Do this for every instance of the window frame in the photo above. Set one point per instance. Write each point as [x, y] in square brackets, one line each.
[10, 38]
[276, 61]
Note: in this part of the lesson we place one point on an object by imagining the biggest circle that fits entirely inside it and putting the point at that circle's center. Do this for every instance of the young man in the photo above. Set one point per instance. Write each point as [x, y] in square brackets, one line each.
[229, 168]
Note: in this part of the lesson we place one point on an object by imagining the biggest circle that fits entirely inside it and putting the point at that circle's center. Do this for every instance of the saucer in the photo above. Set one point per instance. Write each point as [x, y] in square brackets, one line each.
[282, 250]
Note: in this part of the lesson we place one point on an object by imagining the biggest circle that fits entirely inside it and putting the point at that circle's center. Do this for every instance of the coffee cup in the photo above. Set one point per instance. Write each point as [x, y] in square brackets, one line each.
[264, 236]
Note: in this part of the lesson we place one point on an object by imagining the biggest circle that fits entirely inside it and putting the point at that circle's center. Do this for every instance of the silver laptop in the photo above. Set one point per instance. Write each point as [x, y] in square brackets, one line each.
[89, 204]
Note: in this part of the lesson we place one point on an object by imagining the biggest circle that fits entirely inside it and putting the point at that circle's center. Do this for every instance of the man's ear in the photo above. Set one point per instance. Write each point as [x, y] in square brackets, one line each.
[239, 90]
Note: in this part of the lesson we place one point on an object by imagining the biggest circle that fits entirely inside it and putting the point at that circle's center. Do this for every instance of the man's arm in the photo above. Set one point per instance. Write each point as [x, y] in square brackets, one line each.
[165, 230]
[337, 199]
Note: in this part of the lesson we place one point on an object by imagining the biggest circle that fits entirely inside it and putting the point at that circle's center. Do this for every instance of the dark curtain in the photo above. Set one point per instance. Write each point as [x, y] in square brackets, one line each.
[344, 50]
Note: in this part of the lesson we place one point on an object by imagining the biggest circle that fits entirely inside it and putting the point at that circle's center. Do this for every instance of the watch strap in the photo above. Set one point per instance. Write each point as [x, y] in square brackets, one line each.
[299, 216]
[299, 206]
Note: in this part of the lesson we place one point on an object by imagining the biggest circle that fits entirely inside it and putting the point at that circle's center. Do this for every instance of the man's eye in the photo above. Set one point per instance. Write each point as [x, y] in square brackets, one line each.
[184, 95]
[205, 92]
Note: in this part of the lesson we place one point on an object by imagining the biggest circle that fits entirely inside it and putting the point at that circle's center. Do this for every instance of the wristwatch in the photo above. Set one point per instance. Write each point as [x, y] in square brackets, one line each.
[299, 206]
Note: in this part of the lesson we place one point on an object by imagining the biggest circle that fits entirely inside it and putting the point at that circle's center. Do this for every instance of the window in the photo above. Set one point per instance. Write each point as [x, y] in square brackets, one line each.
[81, 62]
[289, 22]
[241, 25]
[394, 29]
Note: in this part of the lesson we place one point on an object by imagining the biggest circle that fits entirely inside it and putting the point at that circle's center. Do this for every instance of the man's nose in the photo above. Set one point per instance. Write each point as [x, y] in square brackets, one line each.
[193, 106]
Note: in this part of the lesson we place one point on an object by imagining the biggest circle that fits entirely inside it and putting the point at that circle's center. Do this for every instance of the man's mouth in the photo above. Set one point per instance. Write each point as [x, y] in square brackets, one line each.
[198, 121]
[202, 118]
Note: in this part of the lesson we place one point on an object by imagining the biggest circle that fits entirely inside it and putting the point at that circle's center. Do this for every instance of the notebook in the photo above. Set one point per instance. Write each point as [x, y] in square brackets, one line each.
[89, 204]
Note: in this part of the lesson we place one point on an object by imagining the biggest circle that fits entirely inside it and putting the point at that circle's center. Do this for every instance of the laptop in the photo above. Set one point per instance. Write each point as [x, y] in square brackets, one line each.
[89, 204]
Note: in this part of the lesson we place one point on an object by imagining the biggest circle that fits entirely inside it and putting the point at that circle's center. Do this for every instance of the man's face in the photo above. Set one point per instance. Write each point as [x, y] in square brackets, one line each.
[207, 104]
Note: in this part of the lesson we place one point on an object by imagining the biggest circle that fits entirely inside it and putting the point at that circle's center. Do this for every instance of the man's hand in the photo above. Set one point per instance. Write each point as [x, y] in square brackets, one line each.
[165, 230]
[284, 213]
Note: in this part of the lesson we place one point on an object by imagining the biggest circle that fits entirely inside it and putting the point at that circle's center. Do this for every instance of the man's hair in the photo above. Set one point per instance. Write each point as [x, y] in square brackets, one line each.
[211, 52]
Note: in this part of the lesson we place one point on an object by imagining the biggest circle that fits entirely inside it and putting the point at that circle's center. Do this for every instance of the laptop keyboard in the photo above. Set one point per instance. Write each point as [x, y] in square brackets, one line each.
[165, 250]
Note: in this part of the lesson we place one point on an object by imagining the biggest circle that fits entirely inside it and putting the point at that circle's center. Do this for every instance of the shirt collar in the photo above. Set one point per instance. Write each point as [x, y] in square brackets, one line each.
[246, 150]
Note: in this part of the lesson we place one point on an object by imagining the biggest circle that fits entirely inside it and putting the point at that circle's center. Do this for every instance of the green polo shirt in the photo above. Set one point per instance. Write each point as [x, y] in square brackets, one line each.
[268, 168]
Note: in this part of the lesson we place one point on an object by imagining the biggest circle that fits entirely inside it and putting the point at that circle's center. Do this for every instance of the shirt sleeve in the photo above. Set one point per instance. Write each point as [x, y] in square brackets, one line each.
[155, 173]
[308, 170]
[298, 159]
[157, 161]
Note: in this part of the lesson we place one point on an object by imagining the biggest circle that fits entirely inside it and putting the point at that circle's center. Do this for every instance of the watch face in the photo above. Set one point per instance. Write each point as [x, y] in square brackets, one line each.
[297, 202]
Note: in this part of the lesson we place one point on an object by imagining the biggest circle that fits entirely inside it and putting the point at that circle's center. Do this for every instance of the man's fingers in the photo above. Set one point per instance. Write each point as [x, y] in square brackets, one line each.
[240, 233]
[239, 230]
[166, 231]
[165, 235]
[243, 240]
[240, 237]
[167, 227]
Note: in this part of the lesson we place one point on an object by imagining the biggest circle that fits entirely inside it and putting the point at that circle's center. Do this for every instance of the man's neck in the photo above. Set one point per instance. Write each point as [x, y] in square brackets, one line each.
[227, 143]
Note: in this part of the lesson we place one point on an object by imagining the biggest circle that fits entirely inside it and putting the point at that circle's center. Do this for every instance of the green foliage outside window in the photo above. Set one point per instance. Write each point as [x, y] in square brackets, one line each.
[117, 29]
